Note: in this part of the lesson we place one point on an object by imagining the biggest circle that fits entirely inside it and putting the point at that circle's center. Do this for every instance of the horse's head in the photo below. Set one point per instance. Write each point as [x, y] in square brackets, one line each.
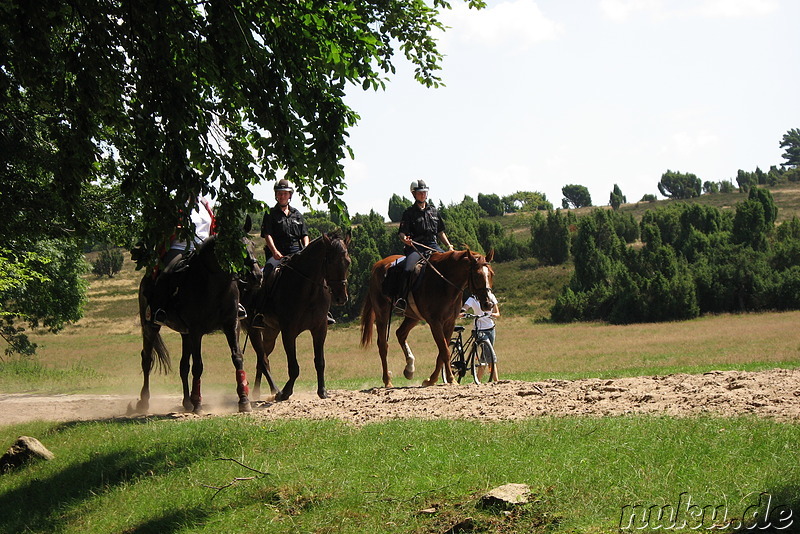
[250, 279]
[337, 265]
[481, 277]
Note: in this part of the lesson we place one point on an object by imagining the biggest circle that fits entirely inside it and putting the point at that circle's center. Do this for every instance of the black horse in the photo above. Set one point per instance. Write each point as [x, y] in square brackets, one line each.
[296, 300]
[207, 300]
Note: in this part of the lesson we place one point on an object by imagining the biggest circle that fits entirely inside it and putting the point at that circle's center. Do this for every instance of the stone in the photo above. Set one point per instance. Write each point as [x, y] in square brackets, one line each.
[25, 449]
[506, 496]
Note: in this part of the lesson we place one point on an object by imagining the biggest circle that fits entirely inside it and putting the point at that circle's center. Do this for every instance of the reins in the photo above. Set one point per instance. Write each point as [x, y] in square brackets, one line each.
[425, 259]
[325, 282]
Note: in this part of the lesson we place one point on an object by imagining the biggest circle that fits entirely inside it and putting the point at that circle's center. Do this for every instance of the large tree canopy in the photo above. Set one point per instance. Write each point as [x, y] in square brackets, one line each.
[124, 111]
[174, 99]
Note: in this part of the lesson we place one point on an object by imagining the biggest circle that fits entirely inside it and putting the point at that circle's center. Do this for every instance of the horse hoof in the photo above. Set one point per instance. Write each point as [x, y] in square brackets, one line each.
[408, 374]
[244, 407]
[323, 393]
[427, 382]
[141, 407]
[280, 396]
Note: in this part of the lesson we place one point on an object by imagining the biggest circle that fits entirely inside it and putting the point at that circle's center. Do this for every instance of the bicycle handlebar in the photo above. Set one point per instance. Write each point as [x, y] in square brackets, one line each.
[473, 316]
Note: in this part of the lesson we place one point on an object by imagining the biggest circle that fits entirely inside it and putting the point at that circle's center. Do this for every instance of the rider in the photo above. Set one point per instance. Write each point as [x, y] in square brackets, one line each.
[485, 330]
[284, 230]
[283, 226]
[420, 225]
[202, 217]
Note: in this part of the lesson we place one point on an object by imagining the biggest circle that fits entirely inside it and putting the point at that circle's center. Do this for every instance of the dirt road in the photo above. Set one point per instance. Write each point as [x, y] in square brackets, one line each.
[774, 394]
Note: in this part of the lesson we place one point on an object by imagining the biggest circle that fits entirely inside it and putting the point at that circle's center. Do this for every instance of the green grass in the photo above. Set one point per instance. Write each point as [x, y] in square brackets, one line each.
[154, 475]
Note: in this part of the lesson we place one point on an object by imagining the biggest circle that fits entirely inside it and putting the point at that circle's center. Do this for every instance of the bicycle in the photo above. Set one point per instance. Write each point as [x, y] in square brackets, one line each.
[465, 354]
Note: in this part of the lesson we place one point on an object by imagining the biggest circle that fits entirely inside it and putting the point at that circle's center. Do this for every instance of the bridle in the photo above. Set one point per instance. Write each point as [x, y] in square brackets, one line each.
[326, 279]
[473, 287]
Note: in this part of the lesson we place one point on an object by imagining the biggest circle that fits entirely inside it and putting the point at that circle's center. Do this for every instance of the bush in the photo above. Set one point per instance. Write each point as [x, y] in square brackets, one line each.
[108, 263]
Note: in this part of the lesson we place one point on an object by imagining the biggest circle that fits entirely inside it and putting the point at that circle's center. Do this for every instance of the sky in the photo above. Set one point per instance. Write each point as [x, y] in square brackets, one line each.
[542, 94]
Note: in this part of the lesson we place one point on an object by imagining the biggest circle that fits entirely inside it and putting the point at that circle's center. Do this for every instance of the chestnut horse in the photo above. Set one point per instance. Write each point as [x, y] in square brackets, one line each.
[298, 299]
[207, 300]
[435, 298]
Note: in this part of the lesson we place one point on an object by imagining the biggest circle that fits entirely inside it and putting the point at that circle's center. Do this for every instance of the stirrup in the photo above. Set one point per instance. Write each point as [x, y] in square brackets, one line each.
[400, 306]
[241, 312]
[160, 317]
[330, 319]
[259, 321]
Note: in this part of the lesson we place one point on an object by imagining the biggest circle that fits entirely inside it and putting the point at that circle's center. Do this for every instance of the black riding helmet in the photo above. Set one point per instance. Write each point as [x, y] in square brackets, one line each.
[418, 185]
[283, 185]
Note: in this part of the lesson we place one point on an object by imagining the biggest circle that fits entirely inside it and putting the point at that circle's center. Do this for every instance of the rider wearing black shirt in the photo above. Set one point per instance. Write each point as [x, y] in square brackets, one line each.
[420, 225]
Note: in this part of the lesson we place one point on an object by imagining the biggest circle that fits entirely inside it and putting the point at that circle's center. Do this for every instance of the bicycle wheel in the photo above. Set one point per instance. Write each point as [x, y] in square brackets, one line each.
[481, 363]
[457, 364]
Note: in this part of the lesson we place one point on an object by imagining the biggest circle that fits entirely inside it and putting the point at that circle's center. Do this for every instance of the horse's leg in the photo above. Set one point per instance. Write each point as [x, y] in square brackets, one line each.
[318, 336]
[263, 345]
[382, 326]
[143, 406]
[402, 337]
[242, 387]
[443, 357]
[290, 346]
[190, 356]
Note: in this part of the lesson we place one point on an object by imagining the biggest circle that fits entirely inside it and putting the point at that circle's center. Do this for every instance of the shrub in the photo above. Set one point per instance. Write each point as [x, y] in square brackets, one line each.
[108, 263]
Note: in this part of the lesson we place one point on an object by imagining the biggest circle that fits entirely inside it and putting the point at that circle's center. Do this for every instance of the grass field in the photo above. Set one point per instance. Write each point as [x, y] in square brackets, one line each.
[239, 475]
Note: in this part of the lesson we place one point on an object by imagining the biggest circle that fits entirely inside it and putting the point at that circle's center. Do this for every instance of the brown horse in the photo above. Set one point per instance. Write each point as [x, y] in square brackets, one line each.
[296, 301]
[435, 298]
[208, 300]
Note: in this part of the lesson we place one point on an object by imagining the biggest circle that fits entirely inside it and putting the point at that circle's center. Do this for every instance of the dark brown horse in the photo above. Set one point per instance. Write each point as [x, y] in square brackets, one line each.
[298, 299]
[436, 298]
[207, 300]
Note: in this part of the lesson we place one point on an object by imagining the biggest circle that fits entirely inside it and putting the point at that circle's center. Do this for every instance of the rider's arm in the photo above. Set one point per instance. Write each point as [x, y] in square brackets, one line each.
[272, 248]
[443, 239]
[305, 241]
[404, 238]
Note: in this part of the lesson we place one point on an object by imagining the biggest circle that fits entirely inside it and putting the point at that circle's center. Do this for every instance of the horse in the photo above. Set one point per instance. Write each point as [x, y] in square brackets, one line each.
[207, 300]
[296, 300]
[435, 297]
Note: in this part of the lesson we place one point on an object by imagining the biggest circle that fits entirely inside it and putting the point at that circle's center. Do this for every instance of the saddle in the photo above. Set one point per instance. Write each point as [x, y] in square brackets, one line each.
[396, 285]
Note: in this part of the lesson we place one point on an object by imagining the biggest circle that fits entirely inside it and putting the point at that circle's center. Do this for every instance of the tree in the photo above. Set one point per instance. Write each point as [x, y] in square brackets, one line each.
[550, 238]
[791, 144]
[710, 188]
[152, 103]
[679, 185]
[397, 205]
[491, 204]
[617, 198]
[576, 196]
[525, 201]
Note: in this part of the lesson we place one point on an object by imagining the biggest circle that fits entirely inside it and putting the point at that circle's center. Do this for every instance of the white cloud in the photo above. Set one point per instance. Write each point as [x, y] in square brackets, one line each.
[622, 10]
[692, 142]
[516, 24]
[736, 8]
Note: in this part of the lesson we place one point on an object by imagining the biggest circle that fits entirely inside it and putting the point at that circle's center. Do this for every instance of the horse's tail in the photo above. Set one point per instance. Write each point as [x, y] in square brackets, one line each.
[162, 359]
[367, 321]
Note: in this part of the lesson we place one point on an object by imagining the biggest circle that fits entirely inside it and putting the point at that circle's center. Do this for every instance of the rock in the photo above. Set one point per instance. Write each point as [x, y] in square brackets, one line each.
[506, 496]
[26, 448]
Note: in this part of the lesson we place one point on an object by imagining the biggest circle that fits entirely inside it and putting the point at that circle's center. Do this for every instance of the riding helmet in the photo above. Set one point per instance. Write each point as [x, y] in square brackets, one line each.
[283, 185]
[418, 185]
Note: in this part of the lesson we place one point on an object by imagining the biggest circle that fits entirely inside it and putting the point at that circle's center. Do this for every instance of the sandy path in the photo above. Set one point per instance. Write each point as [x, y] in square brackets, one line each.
[774, 394]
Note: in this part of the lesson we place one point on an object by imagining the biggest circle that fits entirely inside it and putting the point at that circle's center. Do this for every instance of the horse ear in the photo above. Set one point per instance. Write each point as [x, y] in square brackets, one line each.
[326, 239]
[490, 256]
[248, 224]
[347, 237]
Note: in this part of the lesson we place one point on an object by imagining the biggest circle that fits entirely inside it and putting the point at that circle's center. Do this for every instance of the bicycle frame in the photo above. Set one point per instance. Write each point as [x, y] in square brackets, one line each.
[464, 353]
